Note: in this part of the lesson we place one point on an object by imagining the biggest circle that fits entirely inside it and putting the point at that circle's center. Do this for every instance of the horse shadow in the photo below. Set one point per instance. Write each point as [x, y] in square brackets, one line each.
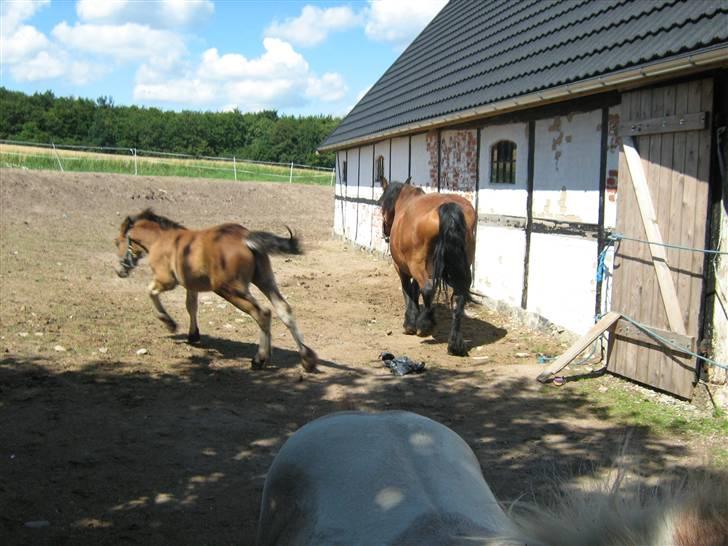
[231, 349]
[476, 332]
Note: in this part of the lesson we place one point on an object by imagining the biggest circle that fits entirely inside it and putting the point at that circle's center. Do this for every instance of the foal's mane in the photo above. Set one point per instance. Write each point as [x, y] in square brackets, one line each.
[148, 214]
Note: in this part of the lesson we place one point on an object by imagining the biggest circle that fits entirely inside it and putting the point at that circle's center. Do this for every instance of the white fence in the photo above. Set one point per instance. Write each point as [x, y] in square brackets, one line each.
[150, 162]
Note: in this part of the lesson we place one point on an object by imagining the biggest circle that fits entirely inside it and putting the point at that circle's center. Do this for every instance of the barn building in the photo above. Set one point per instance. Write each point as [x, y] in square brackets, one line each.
[531, 109]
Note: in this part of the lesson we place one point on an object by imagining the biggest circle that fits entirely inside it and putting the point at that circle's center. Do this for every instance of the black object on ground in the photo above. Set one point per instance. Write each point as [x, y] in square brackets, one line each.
[401, 365]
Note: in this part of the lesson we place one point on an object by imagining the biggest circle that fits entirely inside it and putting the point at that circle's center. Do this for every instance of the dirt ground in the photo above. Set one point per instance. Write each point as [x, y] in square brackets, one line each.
[102, 445]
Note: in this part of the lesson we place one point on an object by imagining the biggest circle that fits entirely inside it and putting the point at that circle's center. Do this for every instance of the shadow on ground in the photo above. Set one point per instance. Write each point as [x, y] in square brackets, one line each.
[181, 457]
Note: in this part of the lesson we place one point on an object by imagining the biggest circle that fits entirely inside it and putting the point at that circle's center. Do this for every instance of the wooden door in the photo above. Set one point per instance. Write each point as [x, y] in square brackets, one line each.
[670, 128]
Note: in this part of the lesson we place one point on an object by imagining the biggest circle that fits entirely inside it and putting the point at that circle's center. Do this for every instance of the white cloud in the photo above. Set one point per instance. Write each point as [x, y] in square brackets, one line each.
[313, 26]
[279, 59]
[330, 87]
[41, 67]
[401, 21]
[125, 42]
[279, 78]
[22, 44]
[180, 90]
[160, 13]
[14, 12]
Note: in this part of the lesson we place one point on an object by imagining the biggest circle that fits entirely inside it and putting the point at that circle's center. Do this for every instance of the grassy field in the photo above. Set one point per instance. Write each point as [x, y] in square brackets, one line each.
[30, 157]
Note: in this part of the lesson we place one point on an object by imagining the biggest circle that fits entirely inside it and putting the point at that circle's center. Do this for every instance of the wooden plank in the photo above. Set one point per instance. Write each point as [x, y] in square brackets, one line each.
[626, 329]
[577, 348]
[664, 124]
[651, 308]
[649, 220]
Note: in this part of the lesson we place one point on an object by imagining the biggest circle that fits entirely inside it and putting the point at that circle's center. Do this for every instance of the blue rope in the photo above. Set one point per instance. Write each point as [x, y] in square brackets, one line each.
[671, 343]
[619, 237]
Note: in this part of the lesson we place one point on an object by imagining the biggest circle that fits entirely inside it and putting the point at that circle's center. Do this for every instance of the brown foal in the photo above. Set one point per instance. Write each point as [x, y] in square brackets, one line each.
[224, 259]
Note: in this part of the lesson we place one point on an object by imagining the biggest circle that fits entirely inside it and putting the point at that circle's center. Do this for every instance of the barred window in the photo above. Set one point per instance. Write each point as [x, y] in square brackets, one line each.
[503, 162]
[380, 168]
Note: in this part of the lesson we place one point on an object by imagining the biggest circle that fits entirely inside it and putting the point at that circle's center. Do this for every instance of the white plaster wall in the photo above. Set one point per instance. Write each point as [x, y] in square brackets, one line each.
[400, 159]
[720, 311]
[499, 259]
[350, 220]
[420, 168]
[352, 187]
[365, 174]
[339, 190]
[561, 280]
[506, 199]
[364, 226]
[566, 167]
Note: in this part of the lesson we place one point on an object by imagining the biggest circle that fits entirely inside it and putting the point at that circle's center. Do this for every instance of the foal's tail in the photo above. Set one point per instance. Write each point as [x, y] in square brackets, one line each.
[268, 243]
[450, 258]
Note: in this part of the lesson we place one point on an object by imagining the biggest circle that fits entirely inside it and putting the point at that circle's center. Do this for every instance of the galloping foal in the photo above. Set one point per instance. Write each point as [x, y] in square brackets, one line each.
[224, 259]
[432, 241]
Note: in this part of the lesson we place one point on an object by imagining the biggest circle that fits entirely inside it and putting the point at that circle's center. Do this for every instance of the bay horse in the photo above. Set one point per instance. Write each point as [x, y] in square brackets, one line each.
[224, 259]
[400, 479]
[432, 241]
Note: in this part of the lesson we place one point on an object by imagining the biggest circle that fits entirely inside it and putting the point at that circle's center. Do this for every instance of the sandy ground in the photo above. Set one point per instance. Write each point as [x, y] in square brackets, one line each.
[101, 445]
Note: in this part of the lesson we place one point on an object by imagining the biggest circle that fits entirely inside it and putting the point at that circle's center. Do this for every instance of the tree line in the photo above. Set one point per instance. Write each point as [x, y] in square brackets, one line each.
[262, 136]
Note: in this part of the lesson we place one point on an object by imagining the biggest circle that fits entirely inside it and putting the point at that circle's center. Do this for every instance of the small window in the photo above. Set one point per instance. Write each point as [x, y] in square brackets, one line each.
[503, 162]
[343, 172]
[380, 168]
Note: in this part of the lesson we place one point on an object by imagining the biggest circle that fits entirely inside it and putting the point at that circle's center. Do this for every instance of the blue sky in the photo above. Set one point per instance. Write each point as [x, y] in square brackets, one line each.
[295, 57]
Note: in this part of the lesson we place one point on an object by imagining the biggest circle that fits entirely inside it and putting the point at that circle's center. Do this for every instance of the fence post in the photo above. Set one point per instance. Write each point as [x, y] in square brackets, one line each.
[133, 151]
[58, 158]
[333, 172]
[290, 175]
[235, 170]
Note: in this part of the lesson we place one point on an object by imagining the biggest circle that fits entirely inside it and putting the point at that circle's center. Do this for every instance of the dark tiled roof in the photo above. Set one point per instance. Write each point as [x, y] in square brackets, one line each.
[477, 52]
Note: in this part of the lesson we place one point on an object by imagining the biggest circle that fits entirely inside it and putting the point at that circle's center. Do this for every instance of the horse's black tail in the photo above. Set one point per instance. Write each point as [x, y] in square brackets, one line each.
[262, 241]
[450, 258]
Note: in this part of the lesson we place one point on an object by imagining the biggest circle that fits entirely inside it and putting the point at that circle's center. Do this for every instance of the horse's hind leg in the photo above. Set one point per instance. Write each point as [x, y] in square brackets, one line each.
[156, 288]
[426, 317]
[456, 344]
[191, 302]
[265, 280]
[411, 293]
[243, 300]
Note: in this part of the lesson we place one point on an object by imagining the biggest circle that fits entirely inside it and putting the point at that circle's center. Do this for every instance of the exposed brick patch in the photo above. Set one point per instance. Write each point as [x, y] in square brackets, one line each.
[459, 160]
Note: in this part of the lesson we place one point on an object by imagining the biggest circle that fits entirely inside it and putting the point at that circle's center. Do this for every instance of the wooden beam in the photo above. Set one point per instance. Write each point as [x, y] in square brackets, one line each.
[665, 124]
[649, 219]
[577, 348]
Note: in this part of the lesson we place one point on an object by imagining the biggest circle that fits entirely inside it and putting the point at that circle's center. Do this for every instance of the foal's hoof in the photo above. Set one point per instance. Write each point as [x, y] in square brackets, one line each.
[409, 330]
[194, 337]
[309, 359]
[258, 362]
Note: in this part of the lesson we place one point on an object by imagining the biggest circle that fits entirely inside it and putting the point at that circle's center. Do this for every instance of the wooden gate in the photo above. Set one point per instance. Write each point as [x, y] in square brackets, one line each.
[664, 166]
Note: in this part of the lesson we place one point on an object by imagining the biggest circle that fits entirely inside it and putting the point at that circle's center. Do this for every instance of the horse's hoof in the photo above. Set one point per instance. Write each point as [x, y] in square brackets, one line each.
[309, 359]
[193, 337]
[409, 331]
[258, 362]
[457, 349]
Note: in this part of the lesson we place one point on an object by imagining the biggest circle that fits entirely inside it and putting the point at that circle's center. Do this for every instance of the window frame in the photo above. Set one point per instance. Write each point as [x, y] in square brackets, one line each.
[502, 168]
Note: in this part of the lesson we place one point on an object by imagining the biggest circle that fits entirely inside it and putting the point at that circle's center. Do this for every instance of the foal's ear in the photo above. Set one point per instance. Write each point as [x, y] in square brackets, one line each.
[384, 182]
